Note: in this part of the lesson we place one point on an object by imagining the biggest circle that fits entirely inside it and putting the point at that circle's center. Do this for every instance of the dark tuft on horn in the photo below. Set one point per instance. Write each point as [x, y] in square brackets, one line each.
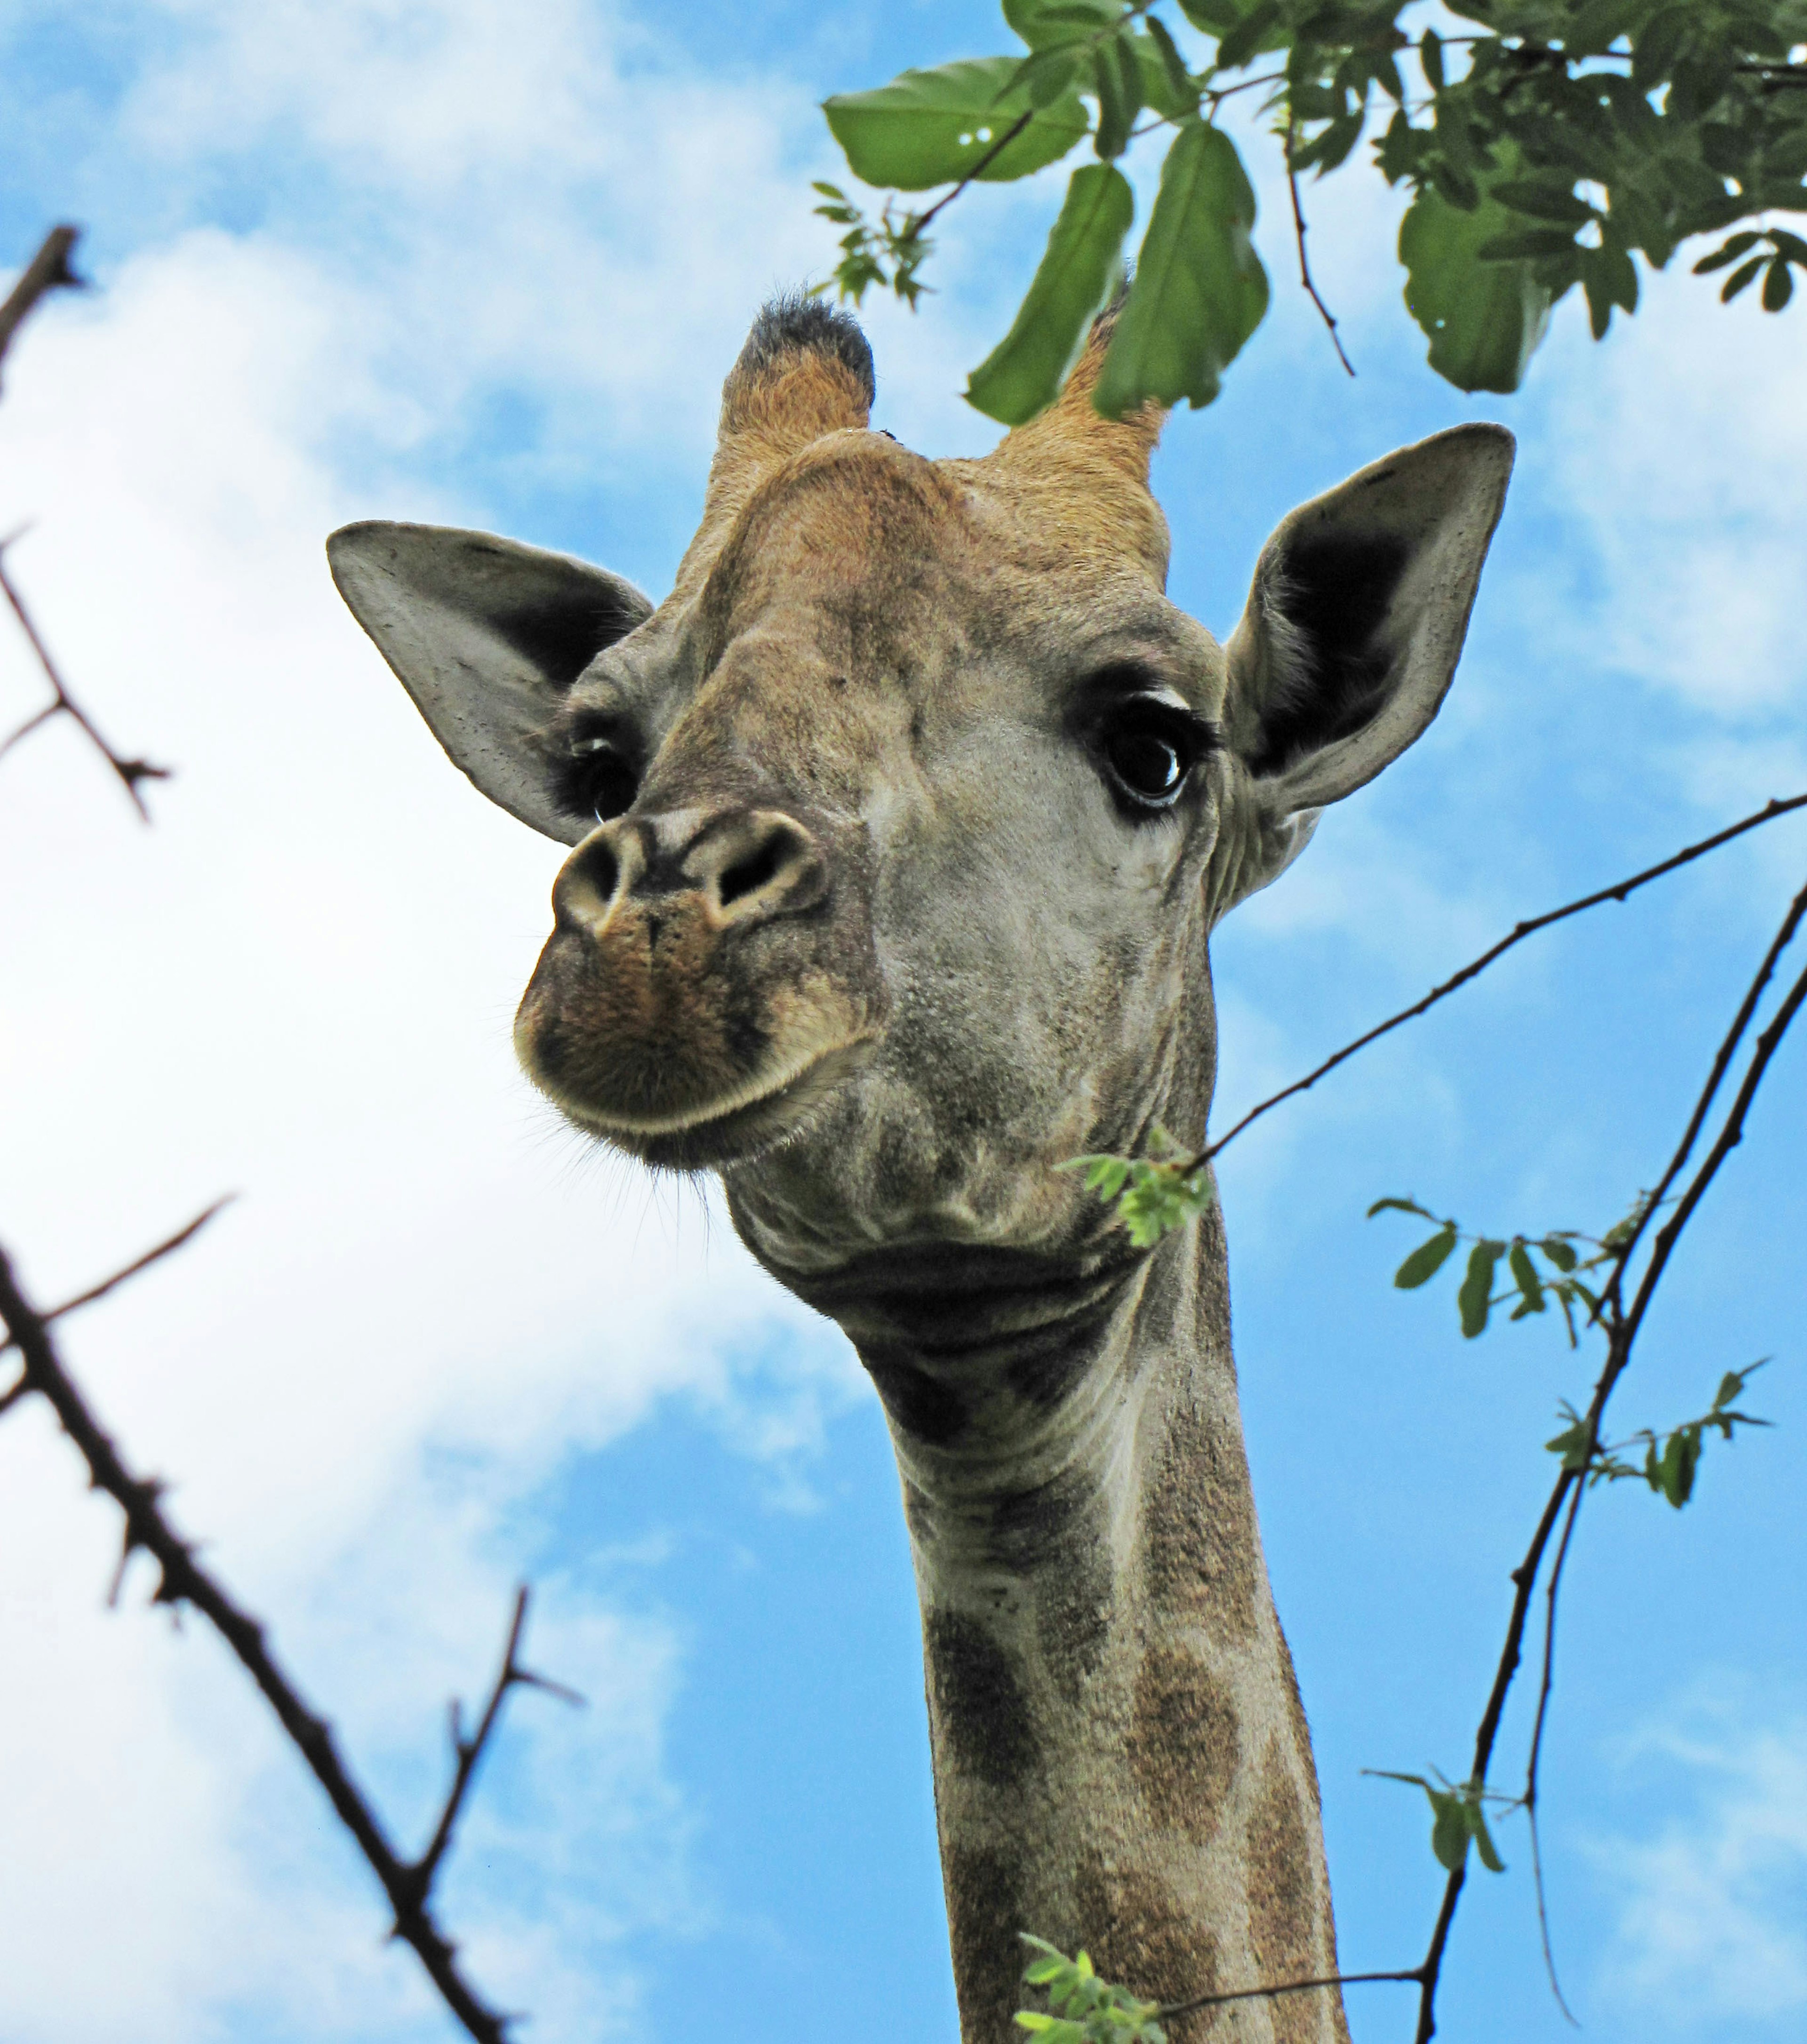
[796, 320]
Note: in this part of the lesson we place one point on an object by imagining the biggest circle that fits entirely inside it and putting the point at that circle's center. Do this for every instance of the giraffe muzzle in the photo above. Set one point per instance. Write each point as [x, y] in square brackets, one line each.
[710, 976]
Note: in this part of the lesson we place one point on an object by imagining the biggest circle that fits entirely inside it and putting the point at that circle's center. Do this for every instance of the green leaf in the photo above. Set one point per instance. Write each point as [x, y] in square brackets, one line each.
[1168, 86]
[1044, 25]
[1430, 58]
[1571, 1444]
[1250, 36]
[1779, 286]
[932, 127]
[1525, 1276]
[1404, 1206]
[1078, 272]
[1542, 201]
[1425, 1261]
[1728, 253]
[1560, 1253]
[1483, 1838]
[1472, 1300]
[1484, 319]
[1200, 290]
[1744, 273]
[1116, 77]
[1449, 1828]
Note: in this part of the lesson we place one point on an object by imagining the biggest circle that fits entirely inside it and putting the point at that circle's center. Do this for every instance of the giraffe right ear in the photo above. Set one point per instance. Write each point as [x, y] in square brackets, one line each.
[486, 635]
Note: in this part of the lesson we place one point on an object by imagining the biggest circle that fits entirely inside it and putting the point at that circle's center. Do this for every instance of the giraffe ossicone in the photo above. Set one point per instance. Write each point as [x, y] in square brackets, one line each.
[900, 829]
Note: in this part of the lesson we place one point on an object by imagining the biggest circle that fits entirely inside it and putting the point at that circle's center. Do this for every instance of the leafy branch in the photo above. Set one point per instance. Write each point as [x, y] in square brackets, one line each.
[1564, 144]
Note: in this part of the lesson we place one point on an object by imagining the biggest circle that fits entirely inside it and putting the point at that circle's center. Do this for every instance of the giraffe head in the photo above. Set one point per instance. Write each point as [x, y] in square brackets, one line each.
[900, 827]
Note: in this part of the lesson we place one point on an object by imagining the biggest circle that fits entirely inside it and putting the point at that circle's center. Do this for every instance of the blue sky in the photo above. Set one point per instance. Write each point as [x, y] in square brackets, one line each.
[454, 261]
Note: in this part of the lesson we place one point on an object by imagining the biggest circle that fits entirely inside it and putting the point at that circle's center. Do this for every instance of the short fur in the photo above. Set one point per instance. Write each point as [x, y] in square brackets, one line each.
[885, 936]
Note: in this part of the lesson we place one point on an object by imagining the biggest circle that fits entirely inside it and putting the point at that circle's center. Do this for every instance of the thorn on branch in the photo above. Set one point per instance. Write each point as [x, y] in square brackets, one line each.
[467, 1753]
[49, 269]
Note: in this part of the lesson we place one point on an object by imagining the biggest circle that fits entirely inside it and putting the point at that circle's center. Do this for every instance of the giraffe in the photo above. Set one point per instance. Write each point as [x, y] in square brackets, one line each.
[900, 829]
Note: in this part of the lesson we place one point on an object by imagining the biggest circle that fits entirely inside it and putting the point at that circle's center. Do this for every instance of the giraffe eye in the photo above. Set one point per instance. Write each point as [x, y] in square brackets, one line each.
[1148, 747]
[594, 779]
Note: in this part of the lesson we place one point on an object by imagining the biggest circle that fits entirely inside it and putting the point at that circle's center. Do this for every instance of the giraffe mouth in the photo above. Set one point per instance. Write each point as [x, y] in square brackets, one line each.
[770, 1108]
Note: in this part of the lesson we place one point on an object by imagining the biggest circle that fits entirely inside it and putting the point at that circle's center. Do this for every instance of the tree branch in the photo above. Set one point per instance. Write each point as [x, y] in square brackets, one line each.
[1622, 1331]
[1170, 2008]
[166, 1248]
[1616, 893]
[130, 771]
[1328, 317]
[48, 270]
[184, 1582]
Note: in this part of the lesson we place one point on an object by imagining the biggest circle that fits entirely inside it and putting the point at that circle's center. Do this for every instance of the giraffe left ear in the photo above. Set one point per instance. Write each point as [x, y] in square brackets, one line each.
[1356, 619]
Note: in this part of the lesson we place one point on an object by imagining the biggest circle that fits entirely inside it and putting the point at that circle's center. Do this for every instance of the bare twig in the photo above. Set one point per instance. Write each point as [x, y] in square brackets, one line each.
[1328, 317]
[49, 270]
[181, 1236]
[467, 1752]
[130, 771]
[1168, 2008]
[1519, 931]
[1546, 1683]
[184, 1582]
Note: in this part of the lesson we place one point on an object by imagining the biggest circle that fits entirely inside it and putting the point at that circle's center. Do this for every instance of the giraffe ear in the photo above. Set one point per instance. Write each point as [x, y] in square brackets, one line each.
[486, 635]
[1356, 619]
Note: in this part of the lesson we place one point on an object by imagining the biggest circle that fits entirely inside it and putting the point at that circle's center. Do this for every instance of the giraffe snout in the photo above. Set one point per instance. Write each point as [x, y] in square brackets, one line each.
[703, 963]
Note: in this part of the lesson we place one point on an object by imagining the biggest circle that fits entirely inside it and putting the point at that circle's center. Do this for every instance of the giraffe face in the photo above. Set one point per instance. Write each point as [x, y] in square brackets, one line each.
[899, 829]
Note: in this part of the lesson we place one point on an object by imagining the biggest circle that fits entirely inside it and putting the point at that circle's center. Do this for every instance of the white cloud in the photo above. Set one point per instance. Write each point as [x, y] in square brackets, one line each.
[1711, 1905]
[1682, 461]
[298, 985]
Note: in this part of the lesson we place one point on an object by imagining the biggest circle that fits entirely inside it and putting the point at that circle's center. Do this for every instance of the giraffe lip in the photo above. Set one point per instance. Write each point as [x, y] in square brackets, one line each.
[717, 1134]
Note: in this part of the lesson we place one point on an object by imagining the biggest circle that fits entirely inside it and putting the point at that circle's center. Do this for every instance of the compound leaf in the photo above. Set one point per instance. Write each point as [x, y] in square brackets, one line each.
[933, 127]
[1200, 290]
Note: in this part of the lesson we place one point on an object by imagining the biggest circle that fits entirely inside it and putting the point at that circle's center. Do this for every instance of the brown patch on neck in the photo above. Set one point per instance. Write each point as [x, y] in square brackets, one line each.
[1140, 1937]
[985, 1910]
[1185, 1743]
[1285, 1910]
[978, 1713]
[1199, 1550]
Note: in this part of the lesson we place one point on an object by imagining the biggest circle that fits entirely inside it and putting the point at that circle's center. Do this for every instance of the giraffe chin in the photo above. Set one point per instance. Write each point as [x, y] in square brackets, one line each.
[732, 1131]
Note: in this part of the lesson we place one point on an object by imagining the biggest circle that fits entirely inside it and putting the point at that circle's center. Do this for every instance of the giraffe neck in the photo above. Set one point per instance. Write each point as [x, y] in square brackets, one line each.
[1121, 1759]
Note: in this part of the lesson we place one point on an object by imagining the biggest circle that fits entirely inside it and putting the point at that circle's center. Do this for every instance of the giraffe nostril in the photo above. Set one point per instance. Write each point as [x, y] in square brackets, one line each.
[602, 869]
[748, 875]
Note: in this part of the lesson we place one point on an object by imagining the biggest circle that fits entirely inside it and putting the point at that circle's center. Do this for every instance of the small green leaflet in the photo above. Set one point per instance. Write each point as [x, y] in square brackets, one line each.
[1484, 319]
[1083, 2008]
[1200, 290]
[1475, 1300]
[1023, 374]
[933, 127]
[1426, 1260]
[1458, 1815]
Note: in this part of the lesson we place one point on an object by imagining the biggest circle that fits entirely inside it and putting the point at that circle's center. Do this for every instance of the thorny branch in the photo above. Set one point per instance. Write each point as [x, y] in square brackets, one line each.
[130, 771]
[49, 271]
[408, 1884]
[1617, 892]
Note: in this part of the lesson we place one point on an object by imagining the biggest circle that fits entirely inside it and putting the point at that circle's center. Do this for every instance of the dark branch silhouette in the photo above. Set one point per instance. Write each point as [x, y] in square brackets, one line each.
[130, 771]
[408, 1884]
[1617, 892]
[1621, 1329]
[49, 269]
[1311, 291]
